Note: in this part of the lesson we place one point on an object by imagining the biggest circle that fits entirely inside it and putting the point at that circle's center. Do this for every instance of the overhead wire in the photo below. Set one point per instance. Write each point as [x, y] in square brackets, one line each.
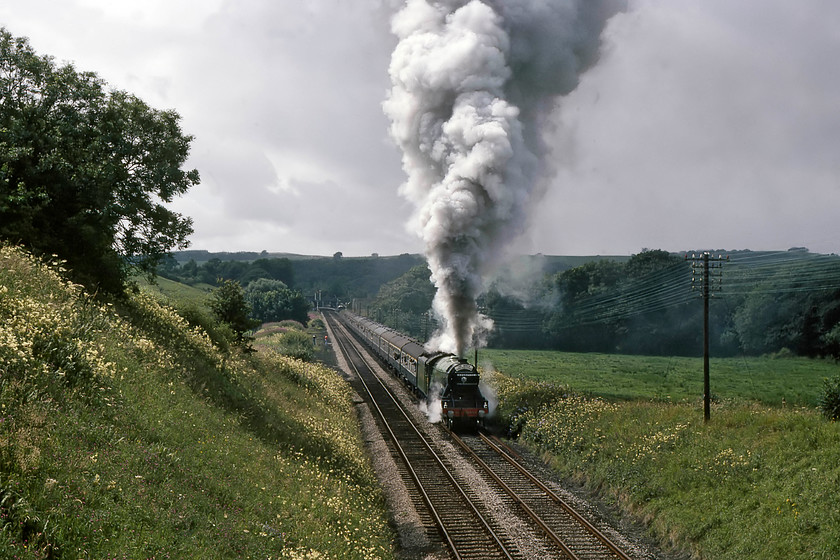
[670, 287]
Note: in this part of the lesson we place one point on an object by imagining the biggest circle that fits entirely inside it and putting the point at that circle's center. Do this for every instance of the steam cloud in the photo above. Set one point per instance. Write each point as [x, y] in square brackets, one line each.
[472, 81]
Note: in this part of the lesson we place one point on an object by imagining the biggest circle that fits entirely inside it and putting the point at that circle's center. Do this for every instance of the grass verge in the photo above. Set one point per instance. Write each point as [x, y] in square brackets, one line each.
[125, 433]
[756, 482]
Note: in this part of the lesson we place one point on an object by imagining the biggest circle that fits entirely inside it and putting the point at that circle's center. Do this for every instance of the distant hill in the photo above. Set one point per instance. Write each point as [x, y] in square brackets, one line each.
[201, 256]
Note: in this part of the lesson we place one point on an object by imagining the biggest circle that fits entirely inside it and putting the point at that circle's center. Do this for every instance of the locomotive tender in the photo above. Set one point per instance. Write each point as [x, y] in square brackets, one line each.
[432, 375]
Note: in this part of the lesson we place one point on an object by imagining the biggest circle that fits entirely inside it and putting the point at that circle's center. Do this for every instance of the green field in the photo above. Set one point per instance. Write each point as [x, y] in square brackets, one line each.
[768, 380]
[176, 291]
[758, 481]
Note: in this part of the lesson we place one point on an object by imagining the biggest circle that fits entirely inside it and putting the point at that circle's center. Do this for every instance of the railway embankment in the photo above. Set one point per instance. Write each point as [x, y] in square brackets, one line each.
[125, 433]
[756, 482]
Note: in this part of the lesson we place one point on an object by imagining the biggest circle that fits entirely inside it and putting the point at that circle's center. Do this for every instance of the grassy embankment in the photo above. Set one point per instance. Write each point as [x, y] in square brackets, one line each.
[759, 481]
[124, 433]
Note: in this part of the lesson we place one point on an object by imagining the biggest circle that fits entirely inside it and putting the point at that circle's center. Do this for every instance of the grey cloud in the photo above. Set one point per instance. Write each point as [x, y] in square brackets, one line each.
[710, 123]
[726, 137]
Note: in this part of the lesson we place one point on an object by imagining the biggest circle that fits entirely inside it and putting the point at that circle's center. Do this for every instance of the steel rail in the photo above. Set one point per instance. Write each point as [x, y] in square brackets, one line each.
[515, 497]
[438, 521]
[411, 471]
[508, 456]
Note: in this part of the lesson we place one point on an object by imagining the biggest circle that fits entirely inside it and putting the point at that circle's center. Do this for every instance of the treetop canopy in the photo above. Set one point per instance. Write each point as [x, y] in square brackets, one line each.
[85, 171]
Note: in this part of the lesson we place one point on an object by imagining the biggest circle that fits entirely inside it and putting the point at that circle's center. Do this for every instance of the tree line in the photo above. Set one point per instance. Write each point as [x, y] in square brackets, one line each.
[332, 280]
[767, 302]
[265, 289]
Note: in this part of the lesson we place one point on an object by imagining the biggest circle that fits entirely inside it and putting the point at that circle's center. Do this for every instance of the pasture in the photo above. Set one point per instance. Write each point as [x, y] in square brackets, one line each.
[771, 380]
[758, 481]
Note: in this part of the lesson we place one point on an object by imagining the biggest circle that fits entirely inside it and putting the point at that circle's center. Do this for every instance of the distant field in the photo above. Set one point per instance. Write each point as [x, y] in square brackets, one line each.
[177, 291]
[799, 381]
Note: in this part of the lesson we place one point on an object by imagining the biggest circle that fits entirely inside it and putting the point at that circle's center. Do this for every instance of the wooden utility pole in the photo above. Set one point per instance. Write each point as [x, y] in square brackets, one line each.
[706, 262]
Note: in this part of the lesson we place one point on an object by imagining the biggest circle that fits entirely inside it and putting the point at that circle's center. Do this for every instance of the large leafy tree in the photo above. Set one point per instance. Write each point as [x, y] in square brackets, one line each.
[84, 171]
[272, 300]
[404, 302]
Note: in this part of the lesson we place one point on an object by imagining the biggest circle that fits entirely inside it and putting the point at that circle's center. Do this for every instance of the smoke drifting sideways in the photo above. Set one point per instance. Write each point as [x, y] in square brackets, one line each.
[472, 82]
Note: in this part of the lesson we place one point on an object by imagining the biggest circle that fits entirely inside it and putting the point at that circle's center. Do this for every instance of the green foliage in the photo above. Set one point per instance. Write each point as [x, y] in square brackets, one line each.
[412, 292]
[336, 280]
[272, 300]
[404, 302]
[293, 343]
[228, 304]
[514, 324]
[608, 306]
[830, 399]
[197, 316]
[84, 171]
[766, 322]
[768, 301]
[166, 446]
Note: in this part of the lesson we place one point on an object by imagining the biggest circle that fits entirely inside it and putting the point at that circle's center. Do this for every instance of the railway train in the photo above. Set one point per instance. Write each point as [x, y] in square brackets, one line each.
[434, 376]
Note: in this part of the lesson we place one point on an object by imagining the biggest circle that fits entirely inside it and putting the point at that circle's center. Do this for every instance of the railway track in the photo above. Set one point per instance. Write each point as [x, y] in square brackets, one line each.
[572, 533]
[462, 515]
[463, 528]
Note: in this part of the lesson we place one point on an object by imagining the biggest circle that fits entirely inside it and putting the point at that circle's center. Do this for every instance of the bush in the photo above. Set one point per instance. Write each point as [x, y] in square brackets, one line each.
[293, 343]
[221, 334]
[830, 400]
[272, 300]
[229, 306]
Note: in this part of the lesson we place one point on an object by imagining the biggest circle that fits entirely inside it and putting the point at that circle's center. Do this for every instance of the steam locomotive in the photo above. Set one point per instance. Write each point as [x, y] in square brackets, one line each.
[435, 376]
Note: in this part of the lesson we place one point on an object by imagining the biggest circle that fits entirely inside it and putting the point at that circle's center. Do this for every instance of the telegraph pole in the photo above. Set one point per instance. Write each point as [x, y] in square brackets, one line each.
[706, 263]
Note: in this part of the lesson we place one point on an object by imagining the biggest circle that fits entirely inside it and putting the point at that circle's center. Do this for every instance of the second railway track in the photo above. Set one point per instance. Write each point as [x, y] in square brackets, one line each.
[476, 498]
[571, 532]
[465, 531]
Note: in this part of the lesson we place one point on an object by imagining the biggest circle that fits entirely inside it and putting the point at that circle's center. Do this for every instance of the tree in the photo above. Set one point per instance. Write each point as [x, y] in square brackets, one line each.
[576, 318]
[228, 304]
[278, 269]
[411, 293]
[84, 172]
[404, 302]
[272, 300]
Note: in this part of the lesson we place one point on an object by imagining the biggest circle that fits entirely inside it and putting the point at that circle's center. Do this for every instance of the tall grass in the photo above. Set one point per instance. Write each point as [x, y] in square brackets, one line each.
[126, 433]
[756, 482]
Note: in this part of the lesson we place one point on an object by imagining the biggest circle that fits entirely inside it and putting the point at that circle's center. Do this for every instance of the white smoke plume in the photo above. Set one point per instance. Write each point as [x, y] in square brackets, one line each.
[472, 81]
[432, 406]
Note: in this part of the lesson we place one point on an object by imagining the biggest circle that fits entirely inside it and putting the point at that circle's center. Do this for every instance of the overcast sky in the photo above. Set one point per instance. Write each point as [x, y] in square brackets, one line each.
[706, 124]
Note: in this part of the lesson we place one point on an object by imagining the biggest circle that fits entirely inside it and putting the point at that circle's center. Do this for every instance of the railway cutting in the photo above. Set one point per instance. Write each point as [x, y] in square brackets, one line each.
[470, 496]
